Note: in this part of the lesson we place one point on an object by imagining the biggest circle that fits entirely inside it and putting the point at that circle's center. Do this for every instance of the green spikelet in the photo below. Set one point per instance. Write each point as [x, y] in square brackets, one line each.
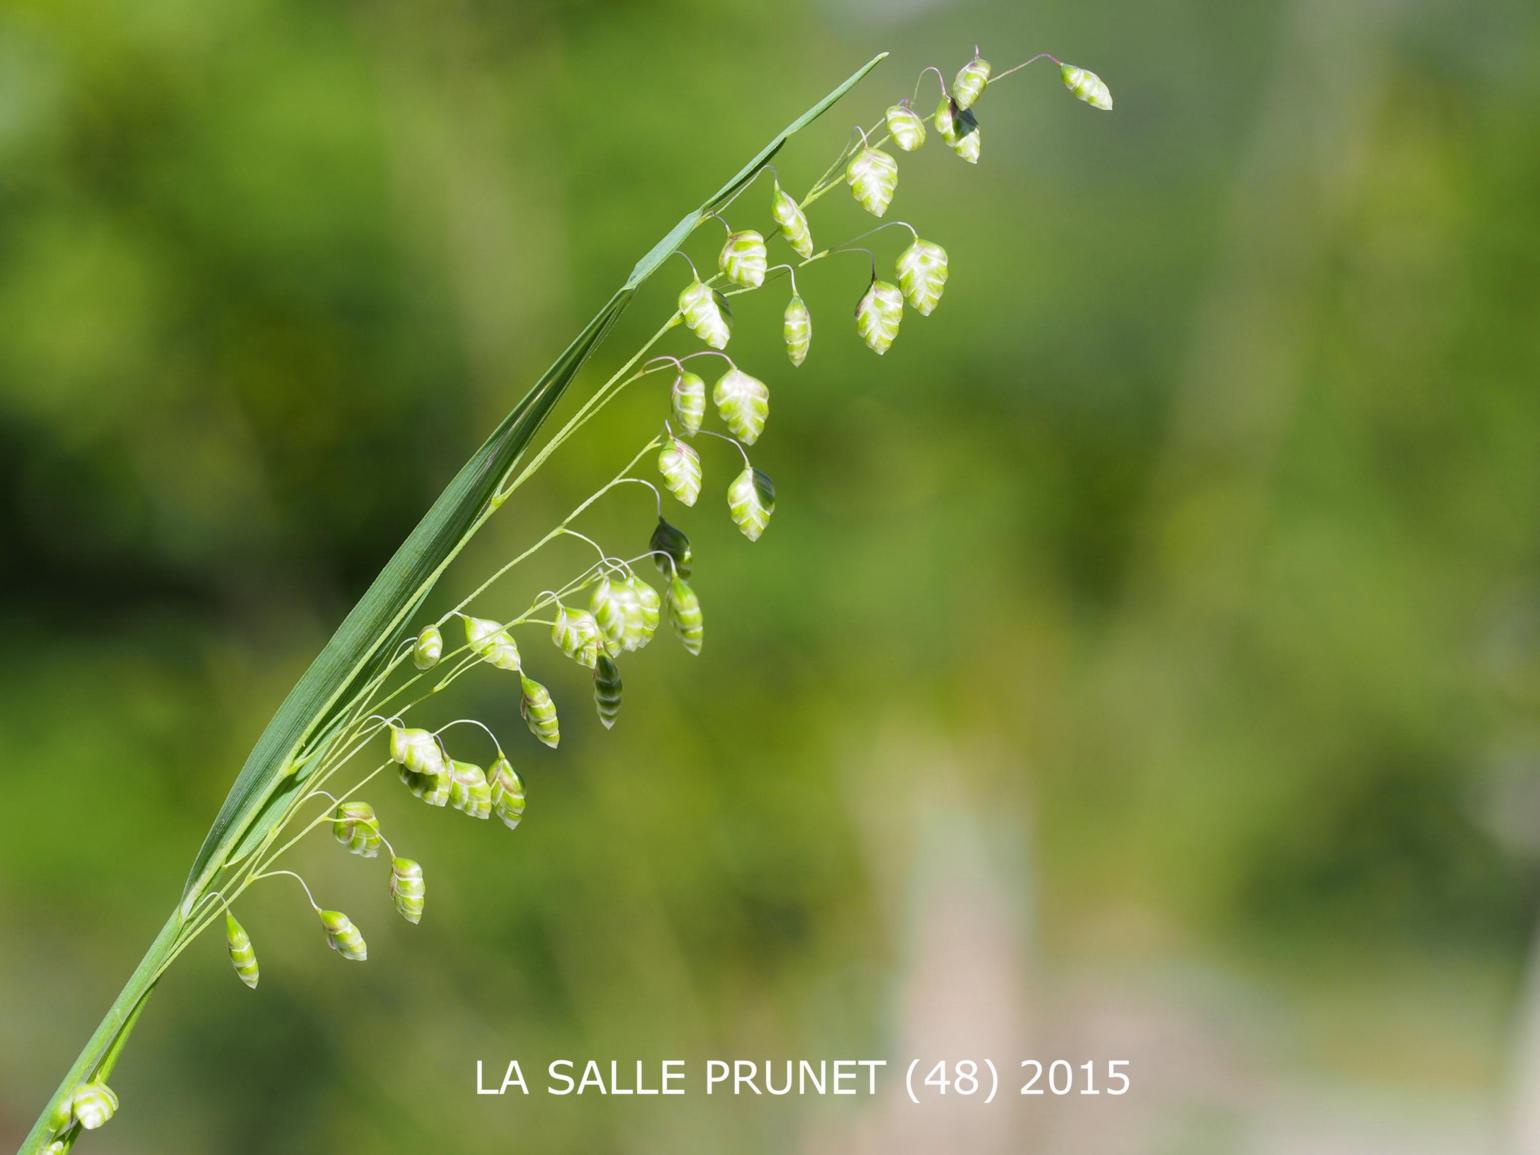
[343, 937]
[797, 329]
[608, 605]
[418, 751]
[704, 312]
[355, 825]
[577, 635]
[687, 401]
[878, 316]
[469, 792]
[428, 649]
[685, 615]
[970, 82]
[430, 788]
[508, 788]
[408, 889]
[680, 466]
[743, 403]
[743, 259]
[93, 1104]
[649, 612]
[873, 177]
[59, 1146]
[960, 129]
[905, 126]
[671, 542]
[922, 272]
[242, 956]
[1087, 86]
[789, 215]
[492, 643]
[539, 711]
[607, 688]
[751, 501]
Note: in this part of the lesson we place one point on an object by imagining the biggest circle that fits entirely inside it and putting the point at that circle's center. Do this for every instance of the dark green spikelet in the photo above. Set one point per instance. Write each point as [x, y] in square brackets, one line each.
[672, 541]
[539, 711]
[607, 687]
[684, 612]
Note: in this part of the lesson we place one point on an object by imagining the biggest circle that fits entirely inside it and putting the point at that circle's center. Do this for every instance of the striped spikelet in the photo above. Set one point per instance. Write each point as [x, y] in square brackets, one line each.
[751, 501]
[878, 316]
[797, 329]
[492, 643]
[687, 401]
[1087, 86]
[873, 178]
[970, 82]
[608, 605]
[743, 402]
[242, 955]
[670, 549]
[680, 466]
[789, 215]
[743, 259]
[469, 792]
[355, 826]
[428, 649]
[922, 272]
[539, 712]
[705, 312]
[408, 889]
[93, 1104]
[343, 937]
[508, 787]
[685, 615]
[418, 751]
[607, 689]
[577, 635]
[905, 126]
[431, 788]
[960, 129]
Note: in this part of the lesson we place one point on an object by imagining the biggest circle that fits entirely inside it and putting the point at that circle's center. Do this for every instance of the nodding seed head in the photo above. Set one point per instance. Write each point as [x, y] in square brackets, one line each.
[242, 955]
[428, 649]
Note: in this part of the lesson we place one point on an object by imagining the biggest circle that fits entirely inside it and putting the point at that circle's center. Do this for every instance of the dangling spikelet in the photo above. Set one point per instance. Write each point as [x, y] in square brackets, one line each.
[508, 788]
[428, 649]
[969, 83]
[743, 259]
[905, 126]
[93, 1104]
[577, 635]
[355, 825]
[743, 403]
[343, 937]
[878, 316]
[705, 313]
[670, 544]
[431, 788]
[685, 614]
[751, 501]
[649, 612]
[1087, 86]
[417, 751]
[242, 955]
[608, 605]
[922, 272]
[492, 643]
[793, 222]
[539, 711]
[960, 129]
[469, 792]
[680, 465]
[797, 329]
[687, 400]
[873, 177]
[607, 688]
[408, 889]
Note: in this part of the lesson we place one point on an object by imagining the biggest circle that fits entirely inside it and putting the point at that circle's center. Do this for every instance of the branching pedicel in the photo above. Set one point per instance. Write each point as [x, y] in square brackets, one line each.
[604, 612]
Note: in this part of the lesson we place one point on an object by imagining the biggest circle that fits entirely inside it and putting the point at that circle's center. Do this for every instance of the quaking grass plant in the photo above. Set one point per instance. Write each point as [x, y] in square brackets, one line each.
[353, 702]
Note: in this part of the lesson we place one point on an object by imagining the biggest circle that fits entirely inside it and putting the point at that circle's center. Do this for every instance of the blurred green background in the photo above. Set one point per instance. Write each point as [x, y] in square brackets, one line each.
[1142, 662]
